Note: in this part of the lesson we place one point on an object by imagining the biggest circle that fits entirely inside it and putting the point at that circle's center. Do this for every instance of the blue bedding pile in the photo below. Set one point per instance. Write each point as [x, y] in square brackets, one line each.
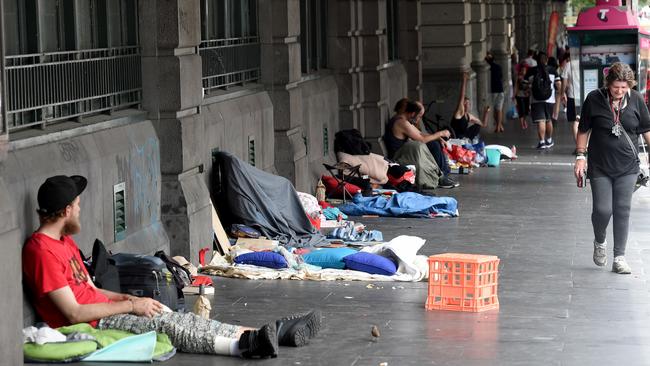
[405, 204]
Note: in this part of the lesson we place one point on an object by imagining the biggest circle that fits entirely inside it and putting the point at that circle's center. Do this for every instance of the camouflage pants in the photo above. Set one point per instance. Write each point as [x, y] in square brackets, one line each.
[187, 331]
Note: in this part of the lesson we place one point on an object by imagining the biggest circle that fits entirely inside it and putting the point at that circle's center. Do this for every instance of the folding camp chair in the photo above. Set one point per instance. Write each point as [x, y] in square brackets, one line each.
[343, 172]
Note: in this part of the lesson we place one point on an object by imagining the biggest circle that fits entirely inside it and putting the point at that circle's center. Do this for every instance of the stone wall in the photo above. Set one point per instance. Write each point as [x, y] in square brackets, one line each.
[123, 150]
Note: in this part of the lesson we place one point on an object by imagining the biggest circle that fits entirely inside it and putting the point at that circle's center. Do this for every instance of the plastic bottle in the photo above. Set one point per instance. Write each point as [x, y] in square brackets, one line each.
[320, 191]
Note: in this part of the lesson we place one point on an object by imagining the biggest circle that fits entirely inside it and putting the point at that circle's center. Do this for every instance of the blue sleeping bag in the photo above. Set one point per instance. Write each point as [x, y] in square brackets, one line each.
[405, 204]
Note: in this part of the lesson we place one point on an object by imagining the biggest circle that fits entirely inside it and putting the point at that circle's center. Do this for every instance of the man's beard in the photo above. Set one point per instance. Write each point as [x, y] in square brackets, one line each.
[71, 227]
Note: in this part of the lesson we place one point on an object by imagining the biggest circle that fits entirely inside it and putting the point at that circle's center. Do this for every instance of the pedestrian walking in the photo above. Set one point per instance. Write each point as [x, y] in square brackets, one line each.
[611, 118]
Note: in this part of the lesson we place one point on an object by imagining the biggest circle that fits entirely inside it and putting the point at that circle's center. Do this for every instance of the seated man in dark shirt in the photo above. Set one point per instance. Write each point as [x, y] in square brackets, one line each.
[64, 293]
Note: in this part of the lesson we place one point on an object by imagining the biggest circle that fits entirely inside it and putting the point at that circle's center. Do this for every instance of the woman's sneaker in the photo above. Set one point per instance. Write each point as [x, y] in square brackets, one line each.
[620, 266]
[261, 343]
[600, 253]
[297, 330]
[446, 182]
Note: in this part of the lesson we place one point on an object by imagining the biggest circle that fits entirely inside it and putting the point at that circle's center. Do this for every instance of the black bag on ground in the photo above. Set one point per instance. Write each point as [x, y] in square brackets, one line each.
[351, 142]
[148, 276]
[182, 275]
[541, 87]
[104, 273]
[137, 275]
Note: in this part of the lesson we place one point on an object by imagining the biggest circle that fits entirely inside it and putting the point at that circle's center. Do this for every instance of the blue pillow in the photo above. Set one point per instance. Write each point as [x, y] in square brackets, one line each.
[263, 259]
[328, 257]
[370, 263]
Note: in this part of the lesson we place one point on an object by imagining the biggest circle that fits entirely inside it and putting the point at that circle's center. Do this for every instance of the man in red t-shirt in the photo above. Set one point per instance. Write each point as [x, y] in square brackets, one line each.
[63, 292]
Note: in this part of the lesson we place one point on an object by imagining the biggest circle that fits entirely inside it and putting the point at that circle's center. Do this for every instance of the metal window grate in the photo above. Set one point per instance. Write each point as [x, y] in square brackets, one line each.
[119, 211]
[49, 87]
[228, 62]
[251, 150]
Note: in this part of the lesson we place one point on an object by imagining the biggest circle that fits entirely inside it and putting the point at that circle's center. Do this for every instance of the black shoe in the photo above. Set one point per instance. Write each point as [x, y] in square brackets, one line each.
[297, 330]
[446, 182]
[262, 343]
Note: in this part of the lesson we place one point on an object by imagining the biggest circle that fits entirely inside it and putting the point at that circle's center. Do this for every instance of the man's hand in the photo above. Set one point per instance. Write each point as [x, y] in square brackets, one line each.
[444, 134]
[564, 99]
[144, 306]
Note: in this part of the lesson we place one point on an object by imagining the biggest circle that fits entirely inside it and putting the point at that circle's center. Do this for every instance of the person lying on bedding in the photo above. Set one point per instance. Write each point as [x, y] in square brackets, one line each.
[64, 293]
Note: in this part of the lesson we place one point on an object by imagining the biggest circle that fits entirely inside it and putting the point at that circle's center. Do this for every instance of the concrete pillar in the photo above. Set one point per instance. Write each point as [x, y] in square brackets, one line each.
[446, 51]
[479, 48]
[373, 76]
[343, 59]
[171, 78]
[281, 73]
[11, 303]
[498, 39]
[410, 45]
[521, 24]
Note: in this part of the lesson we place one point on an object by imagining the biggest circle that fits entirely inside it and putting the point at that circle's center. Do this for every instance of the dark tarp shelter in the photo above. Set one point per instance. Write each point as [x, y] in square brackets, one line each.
[246, 195]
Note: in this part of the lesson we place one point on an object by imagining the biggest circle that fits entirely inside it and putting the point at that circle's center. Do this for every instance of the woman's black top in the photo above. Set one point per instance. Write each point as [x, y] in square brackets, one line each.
[609, 155]
[392, 143]
[459, 125]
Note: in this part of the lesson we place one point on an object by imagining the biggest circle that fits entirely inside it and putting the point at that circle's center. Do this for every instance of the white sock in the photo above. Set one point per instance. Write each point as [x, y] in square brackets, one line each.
[549, 140]
[226, 346]
[542, 141]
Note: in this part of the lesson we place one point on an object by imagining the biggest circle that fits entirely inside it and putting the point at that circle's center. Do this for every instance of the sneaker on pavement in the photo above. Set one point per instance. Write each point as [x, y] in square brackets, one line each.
[261, 343]
[600, 253]
[541, 145]
[620, 265]
[549, 143]
[296, 330]
[446, 182]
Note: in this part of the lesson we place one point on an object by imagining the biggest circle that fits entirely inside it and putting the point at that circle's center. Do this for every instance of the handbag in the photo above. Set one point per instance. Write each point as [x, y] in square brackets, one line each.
[644, 177]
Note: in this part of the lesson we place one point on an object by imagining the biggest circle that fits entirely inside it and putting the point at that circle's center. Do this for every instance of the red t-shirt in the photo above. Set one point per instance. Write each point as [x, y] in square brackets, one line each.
[50, 264]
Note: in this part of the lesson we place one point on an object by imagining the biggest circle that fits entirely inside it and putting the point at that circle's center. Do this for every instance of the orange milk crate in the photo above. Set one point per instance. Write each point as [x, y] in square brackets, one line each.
[463, 282]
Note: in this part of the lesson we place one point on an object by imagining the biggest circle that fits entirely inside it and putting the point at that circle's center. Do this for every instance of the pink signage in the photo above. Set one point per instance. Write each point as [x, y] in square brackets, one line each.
[607, 14]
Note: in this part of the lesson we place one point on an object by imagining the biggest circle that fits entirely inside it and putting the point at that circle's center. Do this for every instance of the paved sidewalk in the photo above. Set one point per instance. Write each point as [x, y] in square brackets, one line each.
[557, 307]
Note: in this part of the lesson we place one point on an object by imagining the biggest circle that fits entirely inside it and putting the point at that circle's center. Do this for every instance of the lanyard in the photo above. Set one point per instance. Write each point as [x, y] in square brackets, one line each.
[617, 113]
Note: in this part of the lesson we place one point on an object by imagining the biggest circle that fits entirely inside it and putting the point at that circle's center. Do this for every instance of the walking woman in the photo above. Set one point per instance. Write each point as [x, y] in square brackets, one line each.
[611, 120]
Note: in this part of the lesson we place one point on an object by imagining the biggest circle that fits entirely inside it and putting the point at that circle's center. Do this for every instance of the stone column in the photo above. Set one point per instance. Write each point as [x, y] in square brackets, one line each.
[521, 25]
[410, 45]
[479, 48]
[373, 77]
[343, 59]
[498, 39]
[11, 303]
[446, 51]
[281, 73]
[171, 82]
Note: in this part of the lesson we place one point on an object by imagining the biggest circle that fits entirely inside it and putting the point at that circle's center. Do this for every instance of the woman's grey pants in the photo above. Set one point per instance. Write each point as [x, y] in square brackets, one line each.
[612, 196]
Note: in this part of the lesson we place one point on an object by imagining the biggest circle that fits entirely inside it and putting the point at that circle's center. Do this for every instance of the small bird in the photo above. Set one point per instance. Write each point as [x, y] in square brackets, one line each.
[375, 332]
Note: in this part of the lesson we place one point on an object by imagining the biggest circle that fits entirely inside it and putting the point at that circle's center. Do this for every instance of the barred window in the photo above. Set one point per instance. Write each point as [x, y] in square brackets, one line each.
[392, 29]
[313, 35]
[68, 59]
[230, 45]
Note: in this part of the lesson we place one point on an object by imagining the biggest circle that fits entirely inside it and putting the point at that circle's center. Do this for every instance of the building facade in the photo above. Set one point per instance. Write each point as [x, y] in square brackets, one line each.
[139, 95]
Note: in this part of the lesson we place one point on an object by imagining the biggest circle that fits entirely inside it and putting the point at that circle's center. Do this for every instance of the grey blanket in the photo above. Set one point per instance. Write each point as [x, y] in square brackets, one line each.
[246, 195]
[427, 172]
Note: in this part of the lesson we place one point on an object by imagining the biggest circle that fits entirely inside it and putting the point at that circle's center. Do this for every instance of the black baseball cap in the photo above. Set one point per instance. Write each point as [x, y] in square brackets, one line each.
[59, 191]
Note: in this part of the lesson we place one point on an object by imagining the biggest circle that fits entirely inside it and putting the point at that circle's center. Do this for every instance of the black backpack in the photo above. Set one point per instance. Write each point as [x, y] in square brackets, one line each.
[351, 142]
[104, 273]
[541, 86]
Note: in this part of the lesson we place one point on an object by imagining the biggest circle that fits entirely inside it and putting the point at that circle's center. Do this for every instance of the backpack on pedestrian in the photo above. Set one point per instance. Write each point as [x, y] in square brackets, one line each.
[541, 86]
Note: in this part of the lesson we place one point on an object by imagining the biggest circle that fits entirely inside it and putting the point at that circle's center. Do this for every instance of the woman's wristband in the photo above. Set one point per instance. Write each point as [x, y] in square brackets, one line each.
[580, 157]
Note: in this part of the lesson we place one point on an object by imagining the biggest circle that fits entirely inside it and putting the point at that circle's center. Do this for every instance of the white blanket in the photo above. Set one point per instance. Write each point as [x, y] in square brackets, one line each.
[403, 250]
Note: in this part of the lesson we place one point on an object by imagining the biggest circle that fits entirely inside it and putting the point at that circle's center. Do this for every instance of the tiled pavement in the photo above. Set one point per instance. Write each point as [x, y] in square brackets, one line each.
[557, 307]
